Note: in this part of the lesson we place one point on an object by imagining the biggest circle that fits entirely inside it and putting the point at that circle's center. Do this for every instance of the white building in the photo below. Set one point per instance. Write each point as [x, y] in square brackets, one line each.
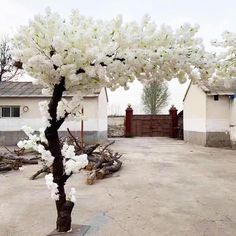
[210, 114]
[19, 107]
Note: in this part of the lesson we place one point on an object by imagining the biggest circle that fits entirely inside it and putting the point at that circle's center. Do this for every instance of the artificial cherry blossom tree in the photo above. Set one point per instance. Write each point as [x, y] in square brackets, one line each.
[81, 55]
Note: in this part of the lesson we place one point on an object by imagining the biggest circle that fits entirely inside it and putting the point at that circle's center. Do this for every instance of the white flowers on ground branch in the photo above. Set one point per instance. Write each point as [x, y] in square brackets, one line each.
[72, 162]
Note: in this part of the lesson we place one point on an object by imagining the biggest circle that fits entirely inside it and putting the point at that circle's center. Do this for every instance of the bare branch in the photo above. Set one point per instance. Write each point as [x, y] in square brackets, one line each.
[8, 70]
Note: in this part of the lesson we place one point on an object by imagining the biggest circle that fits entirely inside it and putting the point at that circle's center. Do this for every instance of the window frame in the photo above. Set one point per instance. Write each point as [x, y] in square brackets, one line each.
[11, 111]
[5, 107]
[216, 97]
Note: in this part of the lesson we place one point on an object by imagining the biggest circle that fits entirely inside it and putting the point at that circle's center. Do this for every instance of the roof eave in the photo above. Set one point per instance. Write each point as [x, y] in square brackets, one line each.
[185, 95]
[220, 93]
[43, 96]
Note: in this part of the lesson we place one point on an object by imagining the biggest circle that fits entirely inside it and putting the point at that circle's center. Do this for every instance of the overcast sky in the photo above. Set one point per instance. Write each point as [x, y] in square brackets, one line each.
[213, 16]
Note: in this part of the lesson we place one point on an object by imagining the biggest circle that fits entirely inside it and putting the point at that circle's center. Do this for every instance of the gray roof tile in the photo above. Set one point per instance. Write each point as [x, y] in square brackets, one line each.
[222, 86]
[16, 89]
[25, 89]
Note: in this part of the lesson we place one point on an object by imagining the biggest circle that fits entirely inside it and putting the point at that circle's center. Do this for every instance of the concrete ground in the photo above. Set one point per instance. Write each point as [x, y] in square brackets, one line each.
[166, 187]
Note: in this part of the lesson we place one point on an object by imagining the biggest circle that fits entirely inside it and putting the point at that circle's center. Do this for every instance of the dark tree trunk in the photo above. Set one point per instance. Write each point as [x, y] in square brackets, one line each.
[64, 207]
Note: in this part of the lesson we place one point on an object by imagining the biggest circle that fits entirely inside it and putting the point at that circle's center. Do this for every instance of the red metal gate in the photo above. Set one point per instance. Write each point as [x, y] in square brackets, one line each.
[151, 125]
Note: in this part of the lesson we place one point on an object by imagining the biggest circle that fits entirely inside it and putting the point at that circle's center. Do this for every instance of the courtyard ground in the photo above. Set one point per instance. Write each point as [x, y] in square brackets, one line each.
[166, 187]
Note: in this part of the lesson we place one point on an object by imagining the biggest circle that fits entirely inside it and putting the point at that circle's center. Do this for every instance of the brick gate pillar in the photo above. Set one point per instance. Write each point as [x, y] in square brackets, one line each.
[174, 119]
[128, 121]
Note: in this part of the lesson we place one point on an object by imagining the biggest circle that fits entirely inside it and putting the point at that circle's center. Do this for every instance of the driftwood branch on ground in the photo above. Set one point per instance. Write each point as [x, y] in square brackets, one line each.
[10, 161]
[102, 160]
[45, 169]
[75, 141]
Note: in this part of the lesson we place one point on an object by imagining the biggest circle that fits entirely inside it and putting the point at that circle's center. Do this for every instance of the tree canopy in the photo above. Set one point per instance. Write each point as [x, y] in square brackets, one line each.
[90, 53]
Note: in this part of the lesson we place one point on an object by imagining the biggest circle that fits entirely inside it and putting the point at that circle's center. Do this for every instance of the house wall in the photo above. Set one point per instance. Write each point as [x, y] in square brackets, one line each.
[195, 116]
[94, 111]
[217, 121]
[95, 122]
[233, 122]
[102, 116]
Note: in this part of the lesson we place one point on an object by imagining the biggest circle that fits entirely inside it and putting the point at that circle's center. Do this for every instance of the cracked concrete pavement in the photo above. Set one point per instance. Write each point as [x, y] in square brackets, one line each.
[165, 187]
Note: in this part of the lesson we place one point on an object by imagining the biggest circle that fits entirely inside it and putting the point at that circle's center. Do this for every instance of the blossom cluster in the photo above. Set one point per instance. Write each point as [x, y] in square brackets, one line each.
[91, 54]
[73, 162]
[72, 106]
[226, 58]
[43, 108]
[72, 194]
[34, 141]
[52, 186]
[34, 137]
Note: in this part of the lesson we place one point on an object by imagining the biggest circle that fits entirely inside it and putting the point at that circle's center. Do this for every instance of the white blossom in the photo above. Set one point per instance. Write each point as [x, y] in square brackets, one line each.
[43, 108]
[47, 91]
[20, 144]
[73, 162]
[42, 136]
[72, 195]
[61, 109]
[52, 186]
[110, 53]
[35, 137]
[57, 60]
[226, 58]
[28, 130]
[45, 154]
[31, 142]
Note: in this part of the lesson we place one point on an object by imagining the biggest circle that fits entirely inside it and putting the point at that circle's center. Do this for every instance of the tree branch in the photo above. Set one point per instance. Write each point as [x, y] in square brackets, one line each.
[56, 97]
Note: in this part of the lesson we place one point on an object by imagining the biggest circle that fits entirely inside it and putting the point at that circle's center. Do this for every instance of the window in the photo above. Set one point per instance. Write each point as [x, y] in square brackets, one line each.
[15, 111]
[10, 111]
[6, 112]
[216, 97]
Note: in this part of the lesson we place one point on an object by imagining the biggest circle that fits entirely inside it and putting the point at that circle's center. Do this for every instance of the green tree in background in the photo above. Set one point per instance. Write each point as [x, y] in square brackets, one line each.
[154, 97]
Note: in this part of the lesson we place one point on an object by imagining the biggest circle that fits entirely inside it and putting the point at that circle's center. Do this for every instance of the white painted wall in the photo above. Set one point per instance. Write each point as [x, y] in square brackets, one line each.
[31, 103]
[91, 114]
[218, 114]
[203, 114]
[94, 110]
[116, 120]
[233, 120]
[195, 110]
[102, 110]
